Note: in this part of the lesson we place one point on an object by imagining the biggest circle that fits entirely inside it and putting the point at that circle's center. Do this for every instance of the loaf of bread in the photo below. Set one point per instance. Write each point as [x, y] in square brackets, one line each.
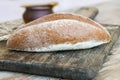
[56, 32]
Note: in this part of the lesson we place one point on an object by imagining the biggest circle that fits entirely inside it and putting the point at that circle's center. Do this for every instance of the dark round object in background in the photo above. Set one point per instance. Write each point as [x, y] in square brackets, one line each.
[34, 12]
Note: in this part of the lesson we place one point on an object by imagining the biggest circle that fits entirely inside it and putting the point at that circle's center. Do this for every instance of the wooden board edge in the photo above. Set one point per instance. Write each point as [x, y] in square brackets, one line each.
[43, 70]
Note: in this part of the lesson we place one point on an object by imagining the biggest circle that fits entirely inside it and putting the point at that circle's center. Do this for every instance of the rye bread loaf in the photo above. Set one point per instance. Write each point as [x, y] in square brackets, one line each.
[57, 32]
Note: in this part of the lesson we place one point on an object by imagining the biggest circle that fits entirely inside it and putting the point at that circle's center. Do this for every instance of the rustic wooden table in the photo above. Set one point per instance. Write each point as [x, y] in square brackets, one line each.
[20, 76]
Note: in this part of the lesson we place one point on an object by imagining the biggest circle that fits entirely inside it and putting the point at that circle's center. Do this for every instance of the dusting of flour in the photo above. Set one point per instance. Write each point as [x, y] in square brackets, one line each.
[65, 46]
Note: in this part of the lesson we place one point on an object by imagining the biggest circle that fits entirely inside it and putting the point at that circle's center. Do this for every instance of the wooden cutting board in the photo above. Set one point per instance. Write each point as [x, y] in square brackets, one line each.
[74, 64]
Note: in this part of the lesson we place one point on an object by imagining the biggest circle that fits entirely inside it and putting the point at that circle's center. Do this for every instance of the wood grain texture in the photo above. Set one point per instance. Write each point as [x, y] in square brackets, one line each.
[87, 11]
[76, 65]
[5, 75]
[8, 27]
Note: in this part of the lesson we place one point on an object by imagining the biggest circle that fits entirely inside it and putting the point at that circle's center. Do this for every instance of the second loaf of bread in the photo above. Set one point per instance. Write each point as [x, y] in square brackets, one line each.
[57, 32]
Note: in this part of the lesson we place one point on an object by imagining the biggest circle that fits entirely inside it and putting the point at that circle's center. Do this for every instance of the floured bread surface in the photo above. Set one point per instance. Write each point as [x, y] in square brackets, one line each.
[63, 34]
[58, 16]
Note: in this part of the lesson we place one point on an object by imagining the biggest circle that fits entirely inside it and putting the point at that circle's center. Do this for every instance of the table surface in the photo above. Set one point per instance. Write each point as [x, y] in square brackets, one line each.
[4, 75]
[74, 64]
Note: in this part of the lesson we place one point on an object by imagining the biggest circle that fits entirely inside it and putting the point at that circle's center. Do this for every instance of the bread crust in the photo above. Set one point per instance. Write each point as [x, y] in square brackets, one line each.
[58, 29]
[59, 16]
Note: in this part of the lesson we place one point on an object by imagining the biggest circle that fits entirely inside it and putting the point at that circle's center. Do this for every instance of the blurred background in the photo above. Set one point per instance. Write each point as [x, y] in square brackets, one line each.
[11, 9]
